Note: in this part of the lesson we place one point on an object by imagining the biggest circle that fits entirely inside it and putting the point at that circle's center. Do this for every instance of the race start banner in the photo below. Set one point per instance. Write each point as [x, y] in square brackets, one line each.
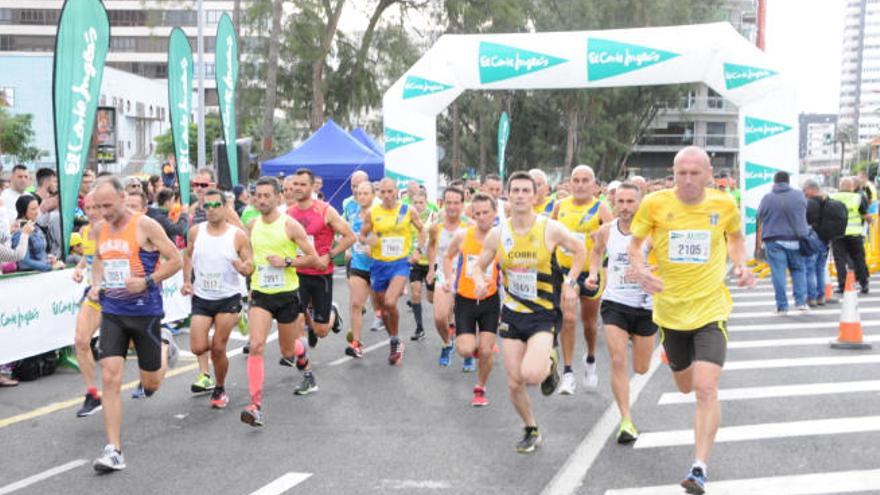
[226, 74]
[180, 83]
[81, 47]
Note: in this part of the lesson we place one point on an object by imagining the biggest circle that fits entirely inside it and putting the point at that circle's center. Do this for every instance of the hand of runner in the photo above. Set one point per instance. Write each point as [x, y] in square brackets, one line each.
[446, 286]
[323, 261]
[241, 267]
[276, 261]
[94, 294]
[592, 282]
[77, 275]
[187, 289]
[649, 282]
[136, 285]
[569, 296]
[744, 276]
[480, 287]
[431, 274]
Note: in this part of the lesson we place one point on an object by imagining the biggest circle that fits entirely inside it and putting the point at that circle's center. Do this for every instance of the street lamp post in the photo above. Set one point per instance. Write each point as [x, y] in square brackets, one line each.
[201, 89]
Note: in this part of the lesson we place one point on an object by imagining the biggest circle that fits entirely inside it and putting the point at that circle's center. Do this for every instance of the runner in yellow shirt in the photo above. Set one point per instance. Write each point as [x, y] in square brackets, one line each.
[694, 230]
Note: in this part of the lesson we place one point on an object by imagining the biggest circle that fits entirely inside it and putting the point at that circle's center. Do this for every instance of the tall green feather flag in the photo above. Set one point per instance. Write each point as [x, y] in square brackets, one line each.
[81, 47]
[180, 83]
[503, 134]
[226, 74]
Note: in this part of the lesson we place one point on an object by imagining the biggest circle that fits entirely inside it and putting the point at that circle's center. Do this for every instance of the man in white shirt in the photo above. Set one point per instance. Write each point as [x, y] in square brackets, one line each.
[18, 183]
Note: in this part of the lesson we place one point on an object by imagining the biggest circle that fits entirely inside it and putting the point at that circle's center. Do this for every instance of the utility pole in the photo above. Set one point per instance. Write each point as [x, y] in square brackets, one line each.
[762, 23]
[201, 70]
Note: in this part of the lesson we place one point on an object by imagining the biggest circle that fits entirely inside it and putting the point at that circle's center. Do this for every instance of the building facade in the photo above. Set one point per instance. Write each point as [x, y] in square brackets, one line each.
[859, 108]
[818, 151]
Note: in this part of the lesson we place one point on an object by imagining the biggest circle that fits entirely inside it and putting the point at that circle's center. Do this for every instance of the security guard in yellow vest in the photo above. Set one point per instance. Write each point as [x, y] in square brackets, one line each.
[849, 250]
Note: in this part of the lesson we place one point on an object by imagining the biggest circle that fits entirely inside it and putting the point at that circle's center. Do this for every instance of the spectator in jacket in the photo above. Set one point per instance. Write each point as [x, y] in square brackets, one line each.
[137, 201]
[849, 250]
[37, 257]
[782, 219]
[815, 265]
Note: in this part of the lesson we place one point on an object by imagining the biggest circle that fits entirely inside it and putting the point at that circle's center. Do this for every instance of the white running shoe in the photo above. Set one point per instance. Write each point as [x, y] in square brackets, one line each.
[110, 460]
[591, 377]
[568, 384]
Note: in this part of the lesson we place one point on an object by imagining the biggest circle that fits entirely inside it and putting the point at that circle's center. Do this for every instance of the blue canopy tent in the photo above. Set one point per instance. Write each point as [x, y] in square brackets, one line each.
[365, 139]
[332, 154]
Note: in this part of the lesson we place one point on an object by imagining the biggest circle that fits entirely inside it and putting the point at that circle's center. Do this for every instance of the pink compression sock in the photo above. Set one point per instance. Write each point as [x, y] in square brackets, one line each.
[255, 373]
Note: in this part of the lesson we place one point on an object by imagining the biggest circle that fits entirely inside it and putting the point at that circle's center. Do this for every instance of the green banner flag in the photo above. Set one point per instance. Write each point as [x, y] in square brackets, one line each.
[226, 74]
[503, 134]
[180, 82]
[81, 46]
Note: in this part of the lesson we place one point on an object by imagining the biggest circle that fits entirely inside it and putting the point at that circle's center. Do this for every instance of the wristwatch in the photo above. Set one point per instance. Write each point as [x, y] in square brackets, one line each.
[288, 262]
[571, 282]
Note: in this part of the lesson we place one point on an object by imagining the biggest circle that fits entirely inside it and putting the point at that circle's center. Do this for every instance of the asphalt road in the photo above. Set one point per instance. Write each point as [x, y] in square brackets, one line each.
[373, 428]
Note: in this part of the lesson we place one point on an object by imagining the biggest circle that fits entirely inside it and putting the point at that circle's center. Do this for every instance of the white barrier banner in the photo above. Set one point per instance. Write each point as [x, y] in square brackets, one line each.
[38, 312]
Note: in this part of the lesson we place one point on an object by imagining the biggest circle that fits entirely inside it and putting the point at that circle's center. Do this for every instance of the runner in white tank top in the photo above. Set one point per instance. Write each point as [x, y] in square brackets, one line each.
[626, 307]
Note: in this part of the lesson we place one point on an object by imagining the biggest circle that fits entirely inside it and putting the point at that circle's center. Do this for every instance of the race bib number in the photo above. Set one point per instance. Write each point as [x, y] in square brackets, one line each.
[689, 246]
[523, 284]
[582, 239]
[392, 247]
[299, 251]
[621, 278]
[210, 282]
[470, 265]
[116, 272]
[270, 277]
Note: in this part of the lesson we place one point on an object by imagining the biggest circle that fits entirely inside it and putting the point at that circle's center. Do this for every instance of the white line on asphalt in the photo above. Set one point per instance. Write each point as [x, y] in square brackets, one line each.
[570, 477]
[807, 314]
[414, 485]
[801, 484]
[754, 344]
[763, 431]
[769, 301]
[748, 393]
[801, 362]
[282, 484]
[766, 327]
[371, 348]
[30, 480]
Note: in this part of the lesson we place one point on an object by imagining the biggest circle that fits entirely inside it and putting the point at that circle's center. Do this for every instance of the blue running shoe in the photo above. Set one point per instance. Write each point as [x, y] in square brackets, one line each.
[445, 356]
[468, 366]
[138, 392]
[695, 482]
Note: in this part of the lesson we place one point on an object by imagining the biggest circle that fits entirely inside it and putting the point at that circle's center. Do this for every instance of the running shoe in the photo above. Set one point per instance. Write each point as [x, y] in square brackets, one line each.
[568, 384]
[479, 399]
[173, 350]
[695, 481]
[468, 365]
[219, 399]
[203, 383]
[531, 440]
[445, 356]
[307, 386]
[395, 354]
[803, 308]
[90, 406]
[337, 322]
[252, 415]
[289, 362]
[548, 386]
[138, 392]
[418, 335]
[627, 432]
[109, 461]
[591, 376]
[354, 350]
[313, 338]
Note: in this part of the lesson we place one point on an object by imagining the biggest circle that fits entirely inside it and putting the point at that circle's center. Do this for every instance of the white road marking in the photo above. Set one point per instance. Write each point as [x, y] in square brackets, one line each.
[414, 485]
[371, 348]
[282, 484]
[801, 484]
[801, 362]
[571, 475]
[806, 389]
[795, 313]
[791, 325]
[754, 344]
[30, 480]
[763, 431]
[769, 301]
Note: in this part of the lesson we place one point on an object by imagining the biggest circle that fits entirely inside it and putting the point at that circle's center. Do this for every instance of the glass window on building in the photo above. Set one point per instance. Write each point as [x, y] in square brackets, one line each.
[5, 16]
[714, 100]
[715, 132]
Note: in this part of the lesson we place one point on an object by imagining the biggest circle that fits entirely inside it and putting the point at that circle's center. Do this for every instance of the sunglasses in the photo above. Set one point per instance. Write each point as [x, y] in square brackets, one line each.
[201, 185]
[210, 205]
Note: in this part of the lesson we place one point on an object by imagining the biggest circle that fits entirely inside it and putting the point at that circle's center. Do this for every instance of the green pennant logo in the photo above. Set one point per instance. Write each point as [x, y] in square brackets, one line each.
[416, 86]
[226, 76]
[606, 58]
[395, 139]
[180, 81]
[758, 175]
[401, 179]
[500, 62]
[751, 220]
[736, 76]
[758, 129]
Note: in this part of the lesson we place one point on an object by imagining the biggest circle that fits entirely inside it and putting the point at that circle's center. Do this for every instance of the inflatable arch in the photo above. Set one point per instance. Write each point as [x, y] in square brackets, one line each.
[715, 54]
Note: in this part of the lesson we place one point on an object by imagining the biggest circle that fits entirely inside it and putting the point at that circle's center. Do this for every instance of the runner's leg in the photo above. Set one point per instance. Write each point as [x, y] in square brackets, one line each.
[87, 321]
[223, 324]
[513, 351]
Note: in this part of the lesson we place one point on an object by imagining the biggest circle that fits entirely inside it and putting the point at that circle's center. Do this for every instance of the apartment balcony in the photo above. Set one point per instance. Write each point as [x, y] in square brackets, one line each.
[705, 105]
[671, 143]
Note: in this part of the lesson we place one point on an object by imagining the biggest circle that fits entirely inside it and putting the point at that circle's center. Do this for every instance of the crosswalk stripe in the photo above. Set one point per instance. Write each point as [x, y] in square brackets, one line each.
[768, 327]
[769, 301]
[756, 344]
[757, 364]
[748, 393]
[763, 431]
[810, 313]
[799, 484]
[282, 484]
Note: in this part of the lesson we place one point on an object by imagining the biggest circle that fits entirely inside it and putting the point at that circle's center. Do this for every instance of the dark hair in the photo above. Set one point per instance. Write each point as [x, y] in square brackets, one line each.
[44, 174]
[164, 196]
[270, 181]
[305, 171]
[457, 183]
[22, 204]
[142, 195]
[154, 179]
[19, 167]
[481, 196]
[216, 192]
[454, 190]
[103, 173]
[781, 177]
[88, 171]
[520, 175]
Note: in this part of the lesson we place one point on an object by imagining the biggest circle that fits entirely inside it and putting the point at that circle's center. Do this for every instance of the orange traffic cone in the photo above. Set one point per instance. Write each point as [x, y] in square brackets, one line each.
[829, 291]
[850, 336]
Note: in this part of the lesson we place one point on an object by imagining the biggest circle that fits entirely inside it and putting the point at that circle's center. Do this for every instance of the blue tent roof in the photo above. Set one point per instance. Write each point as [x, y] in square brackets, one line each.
[332, 154]
[365, 139]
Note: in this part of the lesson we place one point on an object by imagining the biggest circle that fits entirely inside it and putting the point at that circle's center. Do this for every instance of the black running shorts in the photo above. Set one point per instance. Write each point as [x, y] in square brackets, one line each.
[283, 306]
[707, 343]
[144, 331]
[522, 326]
[317, 291]
[417, 272]
[635, 321]
[210, 308]
[471, 314]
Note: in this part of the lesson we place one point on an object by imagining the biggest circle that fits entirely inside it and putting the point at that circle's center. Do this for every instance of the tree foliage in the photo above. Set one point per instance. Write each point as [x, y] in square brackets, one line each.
[17, 137]
[213, 132]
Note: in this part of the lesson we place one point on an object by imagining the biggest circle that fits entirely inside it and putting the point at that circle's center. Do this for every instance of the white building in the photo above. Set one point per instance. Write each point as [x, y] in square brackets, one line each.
[860, 71]
[818, 151]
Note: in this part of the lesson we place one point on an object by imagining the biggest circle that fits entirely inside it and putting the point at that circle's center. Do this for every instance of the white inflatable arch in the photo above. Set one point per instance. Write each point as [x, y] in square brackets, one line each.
[715, 54]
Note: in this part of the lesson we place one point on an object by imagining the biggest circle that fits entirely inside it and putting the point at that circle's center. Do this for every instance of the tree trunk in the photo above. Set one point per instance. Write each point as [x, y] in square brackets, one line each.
[316, 119]
[456, 147]
[367, 39]
[571, 139]
[271, 80]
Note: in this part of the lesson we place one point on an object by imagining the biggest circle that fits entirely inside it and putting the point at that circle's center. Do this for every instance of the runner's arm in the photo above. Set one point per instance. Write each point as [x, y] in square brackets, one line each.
[415, 219]
[297, 234]
[487, 256]
[560, 236]
[451, 254]
[187, 261]
[366, 228]
[231, 216]
[342, 228]
[736, 250]
[244, 264]
[432, 249]
[156, 236]
[555, 214]
[605, 214]
[600, 240]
